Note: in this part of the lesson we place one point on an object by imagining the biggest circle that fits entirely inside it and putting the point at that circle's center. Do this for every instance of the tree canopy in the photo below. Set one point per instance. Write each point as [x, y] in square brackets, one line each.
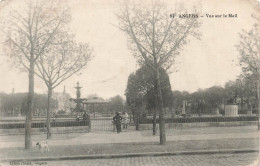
[141, 88]
[116, 104]
[18, 102]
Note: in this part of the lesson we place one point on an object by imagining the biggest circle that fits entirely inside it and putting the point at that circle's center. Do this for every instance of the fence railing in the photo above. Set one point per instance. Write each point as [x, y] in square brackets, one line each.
[43, 124]
[202, 119]
[36, 119]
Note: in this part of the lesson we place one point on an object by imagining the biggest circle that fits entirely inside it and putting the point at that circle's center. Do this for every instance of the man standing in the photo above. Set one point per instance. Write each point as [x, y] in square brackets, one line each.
[117, 121]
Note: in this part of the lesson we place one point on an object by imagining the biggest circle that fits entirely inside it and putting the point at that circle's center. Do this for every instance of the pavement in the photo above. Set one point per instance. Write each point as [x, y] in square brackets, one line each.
[245, 159]
[184, 141]
[186, 134]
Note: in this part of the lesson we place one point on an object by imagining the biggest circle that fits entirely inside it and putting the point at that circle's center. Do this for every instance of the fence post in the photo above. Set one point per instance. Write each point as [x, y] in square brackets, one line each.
[89, 126]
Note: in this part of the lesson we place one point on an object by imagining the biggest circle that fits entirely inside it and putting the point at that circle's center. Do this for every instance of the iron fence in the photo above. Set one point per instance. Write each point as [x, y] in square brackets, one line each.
[201, 119]
[43, 124]
[105, 123]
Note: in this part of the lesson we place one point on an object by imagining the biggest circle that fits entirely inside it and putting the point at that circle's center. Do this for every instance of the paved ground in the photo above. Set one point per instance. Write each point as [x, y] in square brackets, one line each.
[184, 134]
[182, 160]
[179, 160]
[102, 143]
[129, 148]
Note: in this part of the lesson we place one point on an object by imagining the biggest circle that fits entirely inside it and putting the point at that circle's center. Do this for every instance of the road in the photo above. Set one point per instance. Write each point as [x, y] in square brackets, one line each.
[239, 159]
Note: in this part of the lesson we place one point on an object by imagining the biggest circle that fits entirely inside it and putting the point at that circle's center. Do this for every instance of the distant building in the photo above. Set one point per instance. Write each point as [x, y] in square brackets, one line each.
[63, 100]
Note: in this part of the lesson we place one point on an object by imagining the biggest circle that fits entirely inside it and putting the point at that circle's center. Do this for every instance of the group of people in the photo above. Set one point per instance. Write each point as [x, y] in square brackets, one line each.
[118, 120]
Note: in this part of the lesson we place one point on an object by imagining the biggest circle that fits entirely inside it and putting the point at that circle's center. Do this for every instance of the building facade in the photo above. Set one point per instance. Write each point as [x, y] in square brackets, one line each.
[64, 104]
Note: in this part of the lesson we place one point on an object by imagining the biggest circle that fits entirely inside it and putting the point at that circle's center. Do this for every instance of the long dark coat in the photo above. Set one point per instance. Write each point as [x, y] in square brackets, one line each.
[117, 119]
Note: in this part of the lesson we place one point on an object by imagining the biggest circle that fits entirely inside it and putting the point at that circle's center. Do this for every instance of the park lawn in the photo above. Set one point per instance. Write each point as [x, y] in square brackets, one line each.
[120, 148]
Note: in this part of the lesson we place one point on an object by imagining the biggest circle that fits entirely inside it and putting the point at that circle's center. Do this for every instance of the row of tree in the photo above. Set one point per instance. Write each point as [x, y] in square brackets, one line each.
[16, 104]
[140, 96]
[241, 92]
[40, 41]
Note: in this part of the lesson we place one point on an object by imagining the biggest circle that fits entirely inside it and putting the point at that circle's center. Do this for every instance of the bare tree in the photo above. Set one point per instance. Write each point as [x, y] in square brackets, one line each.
[63, 59]
[30, 33]
[156, 39]
[249, 51]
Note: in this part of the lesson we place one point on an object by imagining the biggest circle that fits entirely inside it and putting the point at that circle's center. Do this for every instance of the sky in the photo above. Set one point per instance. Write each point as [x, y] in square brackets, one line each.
[213, 60]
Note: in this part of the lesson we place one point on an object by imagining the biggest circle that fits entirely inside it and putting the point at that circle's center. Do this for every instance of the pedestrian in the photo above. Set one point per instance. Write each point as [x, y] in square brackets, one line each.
[117, 121]
[125, 120]
[77, 118]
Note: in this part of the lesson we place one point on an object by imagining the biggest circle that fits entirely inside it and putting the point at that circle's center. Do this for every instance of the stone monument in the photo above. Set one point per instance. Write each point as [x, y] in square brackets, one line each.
[231, 110]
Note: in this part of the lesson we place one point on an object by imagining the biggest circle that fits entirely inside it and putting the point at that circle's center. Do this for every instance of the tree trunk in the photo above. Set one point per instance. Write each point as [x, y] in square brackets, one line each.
[133, 112]
[154, 121]
[160, 108]
[258, 96]
[241, 105]
[28, 122]
[251, 109]
[137, 120]
[48, 123]
[156, 105]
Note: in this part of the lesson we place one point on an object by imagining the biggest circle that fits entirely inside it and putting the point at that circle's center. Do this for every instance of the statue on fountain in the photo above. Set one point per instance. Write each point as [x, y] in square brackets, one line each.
[78, 100]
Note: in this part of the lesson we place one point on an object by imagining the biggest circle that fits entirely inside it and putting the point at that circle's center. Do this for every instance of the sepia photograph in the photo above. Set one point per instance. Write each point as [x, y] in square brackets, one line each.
[129, 82]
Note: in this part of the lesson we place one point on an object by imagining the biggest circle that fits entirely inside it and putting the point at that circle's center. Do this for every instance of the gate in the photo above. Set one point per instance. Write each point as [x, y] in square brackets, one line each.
[101, 124]
[104, 124]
